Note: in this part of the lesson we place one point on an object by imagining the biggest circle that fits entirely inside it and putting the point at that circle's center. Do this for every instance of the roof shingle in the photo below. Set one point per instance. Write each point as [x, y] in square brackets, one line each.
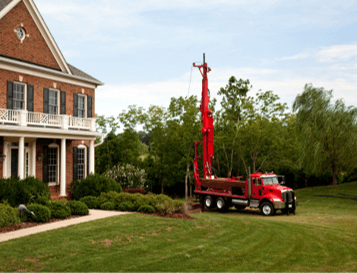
[4, 3]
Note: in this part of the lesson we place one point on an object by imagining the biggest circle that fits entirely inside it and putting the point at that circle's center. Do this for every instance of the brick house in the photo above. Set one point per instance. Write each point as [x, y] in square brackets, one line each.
[47, 117]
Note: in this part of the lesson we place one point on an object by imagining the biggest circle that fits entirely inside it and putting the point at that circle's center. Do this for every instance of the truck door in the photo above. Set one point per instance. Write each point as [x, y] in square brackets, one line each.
[257, 188]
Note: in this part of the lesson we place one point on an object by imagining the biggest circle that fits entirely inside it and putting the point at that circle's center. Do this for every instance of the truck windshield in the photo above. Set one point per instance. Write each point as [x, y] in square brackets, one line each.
[270, 180]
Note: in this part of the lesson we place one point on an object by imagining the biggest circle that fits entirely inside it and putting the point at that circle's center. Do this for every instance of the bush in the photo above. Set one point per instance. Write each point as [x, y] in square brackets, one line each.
[128, 176]
[166, 207]
[126, 206]
[8, 216]
[78, 208]
[146, 209]
[93, 185]
[17, 191]
[92, 202]
[179, 206]
[108, 206]
[42, 213]
[42, 201]
[107, 197]
[59, 210]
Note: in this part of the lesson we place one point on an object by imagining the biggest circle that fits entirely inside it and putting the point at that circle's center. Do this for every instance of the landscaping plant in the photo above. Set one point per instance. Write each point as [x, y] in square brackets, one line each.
[78, 208]
[8, 215]
[92, 202]
[42, 214]
[128, 175]
[108, 206]
[126, 206]
[59, 210]
[146, 209]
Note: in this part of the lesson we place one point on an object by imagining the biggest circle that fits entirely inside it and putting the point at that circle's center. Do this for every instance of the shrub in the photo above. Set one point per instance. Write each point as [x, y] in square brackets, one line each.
[107, 197]
[41, 200]
[134, 190]
[108, 206]
[17, 191]
[92, 202]
[126, 206]
[59, 210]
[42, 213]
[128, 176]
[93, 185]
[8, 216]
[146, 209]
[165, 207]
[78, 208]
[179, 206]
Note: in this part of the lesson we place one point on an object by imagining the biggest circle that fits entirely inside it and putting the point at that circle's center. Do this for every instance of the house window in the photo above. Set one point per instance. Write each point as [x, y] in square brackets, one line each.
[82, 106]
[19, 96]
[82, 167]
[52, 165]
[53, 102]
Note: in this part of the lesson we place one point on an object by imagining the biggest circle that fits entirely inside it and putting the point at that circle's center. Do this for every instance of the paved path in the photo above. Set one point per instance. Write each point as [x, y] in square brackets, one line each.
[93, 215]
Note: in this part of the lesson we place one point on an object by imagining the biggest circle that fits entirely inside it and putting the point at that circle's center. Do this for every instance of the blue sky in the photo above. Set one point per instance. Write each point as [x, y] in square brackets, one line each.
[143, 50]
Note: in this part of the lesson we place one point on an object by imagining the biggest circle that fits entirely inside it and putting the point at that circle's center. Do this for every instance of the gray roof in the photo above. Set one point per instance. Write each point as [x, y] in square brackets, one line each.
[75, 71]
[79, 73]
[4, 3]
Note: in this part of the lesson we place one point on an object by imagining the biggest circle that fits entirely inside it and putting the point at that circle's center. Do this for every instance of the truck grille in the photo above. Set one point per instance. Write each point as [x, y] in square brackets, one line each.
[288, 196]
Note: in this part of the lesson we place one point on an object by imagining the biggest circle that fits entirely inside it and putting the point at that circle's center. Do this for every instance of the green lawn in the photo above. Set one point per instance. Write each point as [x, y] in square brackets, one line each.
[322, 236]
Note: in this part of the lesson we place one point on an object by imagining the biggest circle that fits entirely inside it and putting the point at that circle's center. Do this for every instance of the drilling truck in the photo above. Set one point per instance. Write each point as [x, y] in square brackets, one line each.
[259, 190]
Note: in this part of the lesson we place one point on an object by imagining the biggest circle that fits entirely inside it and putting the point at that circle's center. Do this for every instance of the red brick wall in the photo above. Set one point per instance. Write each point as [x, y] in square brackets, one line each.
[34, 48]
[39, 84]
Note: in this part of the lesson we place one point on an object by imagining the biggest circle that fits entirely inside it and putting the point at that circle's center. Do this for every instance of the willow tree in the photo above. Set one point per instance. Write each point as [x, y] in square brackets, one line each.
[327, 132]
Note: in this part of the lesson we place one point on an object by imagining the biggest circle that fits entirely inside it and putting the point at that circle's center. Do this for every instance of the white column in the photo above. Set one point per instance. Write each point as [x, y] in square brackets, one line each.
[63, 167]
[91, 156]
[20, 170]
[6, 160]
[33, 159]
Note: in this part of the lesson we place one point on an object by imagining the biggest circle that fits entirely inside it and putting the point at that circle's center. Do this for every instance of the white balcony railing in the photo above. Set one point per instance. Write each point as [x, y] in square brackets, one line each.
[9, 116]
[24, 118]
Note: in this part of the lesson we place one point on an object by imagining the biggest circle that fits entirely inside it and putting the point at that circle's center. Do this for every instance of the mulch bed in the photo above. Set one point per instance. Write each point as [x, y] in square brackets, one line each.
[32, 224]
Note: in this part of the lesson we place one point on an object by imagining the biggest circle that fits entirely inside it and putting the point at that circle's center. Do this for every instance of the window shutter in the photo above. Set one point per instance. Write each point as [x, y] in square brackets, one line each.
[90, 102]
[30, 98]
[75, 105]
[45, 164]
[75, 163]
[63, 102]
[10, 88]
[46, 98]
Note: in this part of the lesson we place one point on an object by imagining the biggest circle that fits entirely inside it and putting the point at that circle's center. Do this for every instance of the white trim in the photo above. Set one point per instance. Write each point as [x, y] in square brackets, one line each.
[84, 147]
[46, 73]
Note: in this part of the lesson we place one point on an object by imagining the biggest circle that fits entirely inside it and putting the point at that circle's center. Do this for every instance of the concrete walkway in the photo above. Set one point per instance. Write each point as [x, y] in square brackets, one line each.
[93, 215]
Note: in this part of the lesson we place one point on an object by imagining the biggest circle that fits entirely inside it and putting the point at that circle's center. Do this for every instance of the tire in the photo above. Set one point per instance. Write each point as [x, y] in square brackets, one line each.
[267, 209]
[221, 204]
[209, 202]
[239, 207]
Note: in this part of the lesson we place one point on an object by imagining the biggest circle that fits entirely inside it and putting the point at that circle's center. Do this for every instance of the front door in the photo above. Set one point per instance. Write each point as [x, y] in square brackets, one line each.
[14, 162]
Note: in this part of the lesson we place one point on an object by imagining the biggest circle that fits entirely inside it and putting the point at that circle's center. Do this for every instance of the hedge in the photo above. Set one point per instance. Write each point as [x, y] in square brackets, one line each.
[8, 215]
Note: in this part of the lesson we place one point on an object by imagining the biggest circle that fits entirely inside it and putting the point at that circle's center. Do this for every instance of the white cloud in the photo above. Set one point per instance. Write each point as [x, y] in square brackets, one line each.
[337, 53]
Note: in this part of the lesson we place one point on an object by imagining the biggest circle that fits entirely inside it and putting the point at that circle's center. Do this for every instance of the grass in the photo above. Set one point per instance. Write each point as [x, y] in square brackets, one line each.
[322, 236]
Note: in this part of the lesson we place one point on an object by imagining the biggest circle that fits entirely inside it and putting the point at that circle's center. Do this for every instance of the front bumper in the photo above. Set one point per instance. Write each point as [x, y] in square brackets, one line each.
[282, 205]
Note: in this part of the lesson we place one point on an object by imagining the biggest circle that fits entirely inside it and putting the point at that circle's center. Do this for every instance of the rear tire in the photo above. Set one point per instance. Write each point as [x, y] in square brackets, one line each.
[221, 204]
[267, 209]
[209, 202]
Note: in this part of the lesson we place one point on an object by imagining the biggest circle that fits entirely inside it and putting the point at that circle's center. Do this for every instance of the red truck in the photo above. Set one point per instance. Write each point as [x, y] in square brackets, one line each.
[261, 191]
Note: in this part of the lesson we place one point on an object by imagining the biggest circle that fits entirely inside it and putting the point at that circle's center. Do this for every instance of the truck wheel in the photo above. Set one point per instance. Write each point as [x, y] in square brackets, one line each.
[221, 204]
[239, 207]
[267, 209]
[209, 202]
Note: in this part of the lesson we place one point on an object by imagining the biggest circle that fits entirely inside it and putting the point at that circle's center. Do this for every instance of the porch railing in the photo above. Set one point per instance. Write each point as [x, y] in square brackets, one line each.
[24, 118]
[9, 116]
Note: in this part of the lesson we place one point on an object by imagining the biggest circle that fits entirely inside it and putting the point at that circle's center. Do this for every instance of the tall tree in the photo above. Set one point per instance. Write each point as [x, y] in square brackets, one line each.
[327, 132]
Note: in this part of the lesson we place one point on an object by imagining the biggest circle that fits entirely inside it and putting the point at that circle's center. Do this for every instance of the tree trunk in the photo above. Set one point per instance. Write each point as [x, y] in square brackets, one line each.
[334, 179]
[162, 185]
[191, 193]
[186, 186]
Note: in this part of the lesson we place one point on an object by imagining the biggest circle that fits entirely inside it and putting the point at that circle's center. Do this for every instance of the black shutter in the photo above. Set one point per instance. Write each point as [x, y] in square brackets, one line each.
[46, 98]
[30, 98]
[75, 163]
[75, 105]
[63, 102]
[10, 87]
[45, 164]
[90, 102]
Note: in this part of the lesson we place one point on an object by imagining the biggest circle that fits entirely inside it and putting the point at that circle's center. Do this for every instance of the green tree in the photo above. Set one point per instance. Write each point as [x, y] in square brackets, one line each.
[327, 132]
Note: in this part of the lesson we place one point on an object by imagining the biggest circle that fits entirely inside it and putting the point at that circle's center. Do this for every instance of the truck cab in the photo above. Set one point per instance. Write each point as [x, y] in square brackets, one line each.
[269, 195]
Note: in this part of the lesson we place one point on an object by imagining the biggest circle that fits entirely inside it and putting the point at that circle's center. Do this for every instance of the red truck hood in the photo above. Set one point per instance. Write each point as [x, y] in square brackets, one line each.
[278, 188]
